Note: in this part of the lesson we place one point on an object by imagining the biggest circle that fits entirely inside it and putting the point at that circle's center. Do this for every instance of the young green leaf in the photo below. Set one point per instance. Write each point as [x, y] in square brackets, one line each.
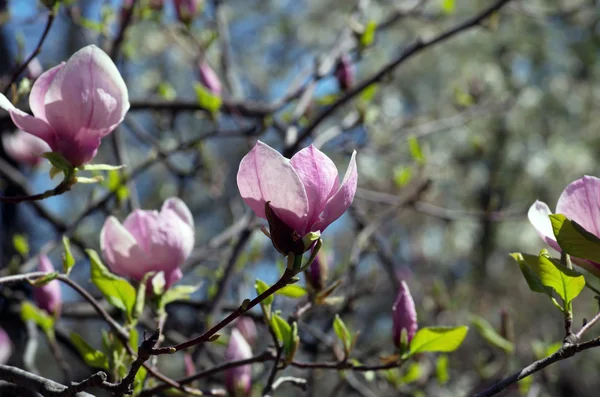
[206, 99]
[566, 282]
[261, 287]
[530, 267]
[30, 312]
[92, 357]
[488, 333]
[368, 36]
[282, 330]
[117, 291]
[412, 373]
[43, 280]
[441, 369]
[68, 259]
[415, 150]
[178, 293]
[21, 245]
[292, 291]
[448, 6]
[437, 339]
[574, 239]
[343, 333]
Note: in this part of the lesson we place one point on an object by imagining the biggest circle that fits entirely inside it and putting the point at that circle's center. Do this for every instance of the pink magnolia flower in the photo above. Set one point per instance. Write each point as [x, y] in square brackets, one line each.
[344, 72]
[74, 105]
[5, 347]
[48, 297]
[238, 380]
[580, 202]
[149, 241]
[186, 9]
[209, 78]
[304, 192]
[247, 328]
[24, 148]
[404, 315]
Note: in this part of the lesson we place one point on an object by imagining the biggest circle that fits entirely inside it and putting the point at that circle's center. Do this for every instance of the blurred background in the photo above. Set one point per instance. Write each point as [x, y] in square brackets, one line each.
[453, 146]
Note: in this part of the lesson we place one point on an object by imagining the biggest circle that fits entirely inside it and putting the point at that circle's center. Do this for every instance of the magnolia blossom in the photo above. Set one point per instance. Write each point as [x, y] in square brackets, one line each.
[74, 105]
[317, 272]
[48, 297]
[5, 347]
[186, 9]
[209, 78]
[304, 192]
[24, 148]
[149, 241]
[404, 315]
[580, 202]
[247, 328]
[238, 380]
[344, 72]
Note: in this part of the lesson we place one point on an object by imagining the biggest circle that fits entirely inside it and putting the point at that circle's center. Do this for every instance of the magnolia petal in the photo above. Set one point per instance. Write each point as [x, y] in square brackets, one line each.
[28, 123]
[265, 175]
[120, 249]
[580, 202]
[5, 347]
[177, 205]
[342, 199]
[538, 215]
[319, 176]
[238, 379]
[38, 92]
[24, 147]
[404, 315]
[48, 297]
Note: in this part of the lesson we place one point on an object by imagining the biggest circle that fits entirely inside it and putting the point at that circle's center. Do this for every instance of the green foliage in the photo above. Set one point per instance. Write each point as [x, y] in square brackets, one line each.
[448, 6]
[177, 293]
[287, 335]
[21, 244]
[412, 373]
[368, 36]
[92, 357]
[415, 150]
[68, 259]
[344, 335]
[292, 291]
[43, 280]
[437, 339]
[261, 287]
[574, 239]
[117, 291]
[30, 312]
[402, 176]
[207, 100]
[488, 333]
[441, 369]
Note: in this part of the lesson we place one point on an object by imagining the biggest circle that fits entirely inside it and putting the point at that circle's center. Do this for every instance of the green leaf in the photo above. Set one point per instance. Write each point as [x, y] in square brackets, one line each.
[261, 287]
[21, 245]
[282, 329]
[92, 357]
[412, 373]
[343, 333]
[206, 99]
[437, 339]
[43, 280]
[448, 6]
[488, 333]
[441, 369]
[292, 291]
[30, 312]
[114, 184]
[530, 267]
[138, 382]
[402, 176]
[576, 241]
[166, 91]
[58, 161]
[566, 282]
[68, 259]
[92, 25]
[415, 150]
[178, 293]
[368, 93]
[368, 36]
[117, 291]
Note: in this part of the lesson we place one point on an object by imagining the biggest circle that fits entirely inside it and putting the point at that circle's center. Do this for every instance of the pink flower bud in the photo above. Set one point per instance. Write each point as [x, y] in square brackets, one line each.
[209, 78]
[149, 241]
[317, 273]
[344, 72]
[74, 105]
[186, 10]
[190, 368]
[238, 380]
[304, 192]
[247, 328]
[34, 69]
[404, 315]
[24, 148]
[5, 347]
[48, 297]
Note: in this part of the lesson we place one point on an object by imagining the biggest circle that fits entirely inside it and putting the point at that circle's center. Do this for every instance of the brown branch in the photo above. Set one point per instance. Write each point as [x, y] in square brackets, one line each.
[46, 387]
[63, 187]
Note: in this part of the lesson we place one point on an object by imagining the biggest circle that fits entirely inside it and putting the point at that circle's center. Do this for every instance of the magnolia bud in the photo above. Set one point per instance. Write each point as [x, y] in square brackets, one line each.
[238, 380]
[5, 347]
[404, 316]
[48, 297]
[209, 78]
[186, 10]
[344, 72]
[247, 328]
[317, 273]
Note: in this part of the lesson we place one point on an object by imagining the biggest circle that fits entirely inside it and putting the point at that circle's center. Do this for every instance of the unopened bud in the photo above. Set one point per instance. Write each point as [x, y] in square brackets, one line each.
[238, 380]
[404, 317]
[48, 297]
[186, 10]
[317, 273]
[209, 78]
[247, 328]
[344, 72]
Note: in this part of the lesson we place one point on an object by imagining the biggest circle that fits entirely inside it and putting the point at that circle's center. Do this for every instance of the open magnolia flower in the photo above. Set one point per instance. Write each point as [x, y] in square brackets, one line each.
[74, 105]
[304, 192]
[579, 202]
[149, 241]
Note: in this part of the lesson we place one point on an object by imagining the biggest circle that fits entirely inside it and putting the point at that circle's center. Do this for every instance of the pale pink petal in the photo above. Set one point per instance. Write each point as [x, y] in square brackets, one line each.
[538, 216]
[24, 147]
[28, 123]
[38, 92]
[265, 175]
[319, 176]
[238, 379]
[5, 347]
[341, 200]
[121, 251]
[404, 315]
[177, 205]
[88, 97]
[580, 202]
[48, 297]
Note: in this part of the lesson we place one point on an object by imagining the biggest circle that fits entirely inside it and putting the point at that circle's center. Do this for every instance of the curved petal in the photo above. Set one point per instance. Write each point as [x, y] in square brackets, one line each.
[88, 97]
[28, 123]
[580, 201]
[265, 175]
[404, 315]
[5, 347]
[120, 250]
[172, 277]
[341, 200]
[48, 297]
[38, 92]
[319, 176]
[177, 205]
[538, 216]
[24, 147]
